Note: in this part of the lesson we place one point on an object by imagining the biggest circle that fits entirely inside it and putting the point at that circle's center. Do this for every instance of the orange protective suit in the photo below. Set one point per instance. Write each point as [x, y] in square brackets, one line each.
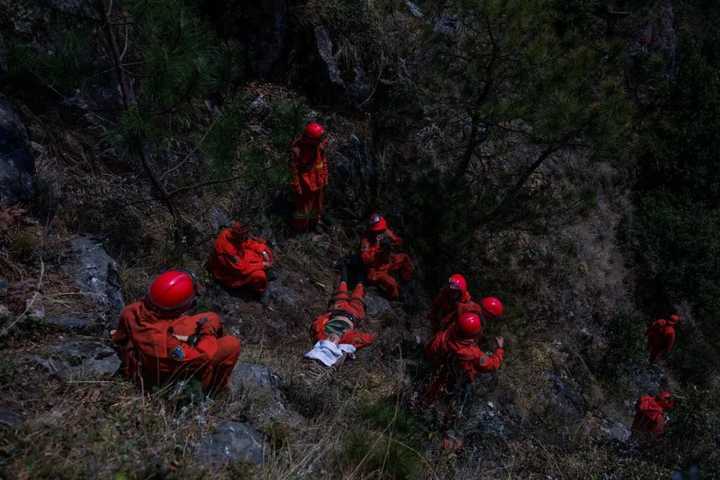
[345, 304]
[240, 264]
[152, 355]
[380, 266]
[446, 309]
[661, 338]
[650, 416]
[449, 349]
[309, 168]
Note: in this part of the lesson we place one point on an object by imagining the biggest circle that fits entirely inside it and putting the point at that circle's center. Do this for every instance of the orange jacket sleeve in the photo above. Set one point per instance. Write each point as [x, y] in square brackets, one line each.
[490, 363]
[260, 247]
[367, 253]
[394, 238]
[436, 350]
[183, 352]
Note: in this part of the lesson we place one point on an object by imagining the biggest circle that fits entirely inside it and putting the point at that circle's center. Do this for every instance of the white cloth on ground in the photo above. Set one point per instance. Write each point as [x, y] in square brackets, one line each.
[327, 353]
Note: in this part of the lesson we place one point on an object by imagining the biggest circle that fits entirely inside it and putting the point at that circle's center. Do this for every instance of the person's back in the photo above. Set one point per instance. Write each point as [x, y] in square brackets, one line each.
[238, 261]
[650, 413]
[158, 343]
[457, 347]
[661, 337]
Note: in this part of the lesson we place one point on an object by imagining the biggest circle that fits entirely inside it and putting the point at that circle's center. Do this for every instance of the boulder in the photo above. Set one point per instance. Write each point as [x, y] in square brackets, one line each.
[80, 359]
[232, 442]
[95, 273]
[278, 294]
[376, 306]
[259, 386]
[616, 431]
[16, 161]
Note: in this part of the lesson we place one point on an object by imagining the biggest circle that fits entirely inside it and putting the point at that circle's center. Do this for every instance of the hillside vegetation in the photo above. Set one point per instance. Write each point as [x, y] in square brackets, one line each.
[562, 154]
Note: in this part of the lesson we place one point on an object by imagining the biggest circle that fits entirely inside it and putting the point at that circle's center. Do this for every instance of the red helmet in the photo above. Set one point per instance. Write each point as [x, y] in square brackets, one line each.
[173, 290]
[493, 306]
[469, 324]
[675, 318]
[377, 223]
[314, 130]
[665, 400]
[457, 282]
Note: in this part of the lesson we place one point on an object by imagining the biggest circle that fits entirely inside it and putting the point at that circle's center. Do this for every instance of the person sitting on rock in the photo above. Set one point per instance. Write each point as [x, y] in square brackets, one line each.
[336, 331]
[157, 343]
[453, 300]
[456, 356]
[650, 414]
[661, 337]
[309, 169]
[239, 261]
[379, 260]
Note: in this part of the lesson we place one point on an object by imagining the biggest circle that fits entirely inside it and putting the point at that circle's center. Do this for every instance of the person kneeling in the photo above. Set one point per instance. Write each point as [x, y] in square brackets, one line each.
[456, 356]
[158, 344]
[239, 261]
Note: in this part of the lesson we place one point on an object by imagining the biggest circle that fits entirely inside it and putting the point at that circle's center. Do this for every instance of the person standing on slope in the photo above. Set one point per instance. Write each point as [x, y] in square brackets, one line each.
[309, 169]
[661, 337]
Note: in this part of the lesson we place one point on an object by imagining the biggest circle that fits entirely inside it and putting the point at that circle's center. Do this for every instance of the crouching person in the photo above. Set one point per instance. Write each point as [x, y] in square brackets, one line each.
[456, 357]
[336, 331]
[159, 344]
[650, 421]
[238, 261]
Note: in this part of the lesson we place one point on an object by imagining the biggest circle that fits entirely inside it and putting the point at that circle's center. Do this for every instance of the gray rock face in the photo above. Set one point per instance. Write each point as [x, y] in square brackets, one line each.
[81, 359]
[281, 295]
[232, 442]
[616, 431]
[260, 387]
[259, 108]
[357, 89]
[95, 272]
[376, 306]
[325, 50]
[16, 162]
[254, 375]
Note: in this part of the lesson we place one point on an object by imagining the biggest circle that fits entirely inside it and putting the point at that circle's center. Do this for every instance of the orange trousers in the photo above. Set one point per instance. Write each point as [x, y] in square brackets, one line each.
[383, 276]
[308, 209]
